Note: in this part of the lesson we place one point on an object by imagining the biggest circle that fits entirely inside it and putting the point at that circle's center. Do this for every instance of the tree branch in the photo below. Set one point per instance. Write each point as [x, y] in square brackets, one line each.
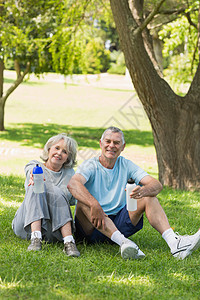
[172, 11]
[150, 16]
[1, 77]
[16, 83]
[190, 20]
[17, 68]
[193, 57]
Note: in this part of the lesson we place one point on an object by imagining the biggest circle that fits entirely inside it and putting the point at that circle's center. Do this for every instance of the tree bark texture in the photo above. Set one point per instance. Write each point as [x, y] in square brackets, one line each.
[1, 94]
[2, 107]
[175, 120]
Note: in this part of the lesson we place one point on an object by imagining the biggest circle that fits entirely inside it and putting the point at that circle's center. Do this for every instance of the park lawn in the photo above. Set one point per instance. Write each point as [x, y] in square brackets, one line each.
[41, 108]
[100, 272]
[36, 111]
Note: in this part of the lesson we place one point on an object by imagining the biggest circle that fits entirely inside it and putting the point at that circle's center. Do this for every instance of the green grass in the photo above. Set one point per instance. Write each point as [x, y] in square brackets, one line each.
[84, 105]
[100, 272]
[36, 111]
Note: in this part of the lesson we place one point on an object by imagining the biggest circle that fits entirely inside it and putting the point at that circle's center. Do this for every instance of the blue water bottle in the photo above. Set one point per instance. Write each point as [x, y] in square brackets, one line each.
[38, 179]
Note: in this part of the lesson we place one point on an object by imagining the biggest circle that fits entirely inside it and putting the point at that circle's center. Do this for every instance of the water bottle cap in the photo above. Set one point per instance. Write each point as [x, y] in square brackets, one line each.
[37, 170]
[131, 181]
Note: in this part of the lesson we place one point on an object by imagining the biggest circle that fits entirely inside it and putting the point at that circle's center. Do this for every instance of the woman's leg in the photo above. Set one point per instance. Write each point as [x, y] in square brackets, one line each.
[36, 236]
[70, 248]
[36, 226]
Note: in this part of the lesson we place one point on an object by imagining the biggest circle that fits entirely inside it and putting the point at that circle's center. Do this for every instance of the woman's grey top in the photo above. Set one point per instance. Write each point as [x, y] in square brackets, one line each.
[59, 179]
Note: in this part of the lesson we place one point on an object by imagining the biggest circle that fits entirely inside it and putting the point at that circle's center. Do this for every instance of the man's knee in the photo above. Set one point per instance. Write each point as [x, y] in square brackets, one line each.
[84, 217]
[142, 205]
[82, 209]
[147, 201]
[151, 201]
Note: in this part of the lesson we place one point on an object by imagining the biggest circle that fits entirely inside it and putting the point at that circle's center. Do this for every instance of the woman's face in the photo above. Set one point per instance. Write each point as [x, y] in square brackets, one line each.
[57, 156]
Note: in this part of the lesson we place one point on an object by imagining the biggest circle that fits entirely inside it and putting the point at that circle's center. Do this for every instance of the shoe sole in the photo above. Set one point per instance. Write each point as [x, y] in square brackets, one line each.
[72, 255]
[140, 256]
[34, 249]
[130, 253]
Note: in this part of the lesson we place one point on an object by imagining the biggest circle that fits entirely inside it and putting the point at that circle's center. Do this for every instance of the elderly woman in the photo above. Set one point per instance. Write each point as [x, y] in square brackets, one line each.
[47, 215]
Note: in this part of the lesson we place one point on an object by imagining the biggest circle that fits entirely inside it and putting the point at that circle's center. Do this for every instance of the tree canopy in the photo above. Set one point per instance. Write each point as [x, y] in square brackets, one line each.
[66, 36]
[41, 36]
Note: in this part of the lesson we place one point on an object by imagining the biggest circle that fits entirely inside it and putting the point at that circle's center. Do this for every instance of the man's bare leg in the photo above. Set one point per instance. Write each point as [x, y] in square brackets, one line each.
[180, 246]
[83, 216]
[128, 248]
[154, 213]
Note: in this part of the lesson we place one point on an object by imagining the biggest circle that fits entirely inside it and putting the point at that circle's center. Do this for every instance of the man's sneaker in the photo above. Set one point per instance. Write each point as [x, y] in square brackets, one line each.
[140, 254]
[70, 249]
[186, 244]
[35, 245]
[129, 250]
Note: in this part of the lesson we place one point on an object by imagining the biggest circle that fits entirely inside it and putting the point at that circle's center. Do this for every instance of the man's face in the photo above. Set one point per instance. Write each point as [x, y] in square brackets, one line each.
[112, 145]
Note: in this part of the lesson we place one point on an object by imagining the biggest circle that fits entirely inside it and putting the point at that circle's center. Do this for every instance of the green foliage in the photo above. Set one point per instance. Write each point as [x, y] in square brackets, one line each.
[55, 35]
[179, 47]
[97, 58]
[78, 46]
[118, 63]
[26, 29]
[178, 72]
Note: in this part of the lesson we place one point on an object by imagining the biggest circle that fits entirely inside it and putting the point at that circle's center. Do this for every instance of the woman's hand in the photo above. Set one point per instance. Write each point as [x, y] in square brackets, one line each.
[31, 182]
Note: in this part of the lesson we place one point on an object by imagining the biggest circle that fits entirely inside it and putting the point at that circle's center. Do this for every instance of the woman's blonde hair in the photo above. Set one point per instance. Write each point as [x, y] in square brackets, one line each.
[70, 144]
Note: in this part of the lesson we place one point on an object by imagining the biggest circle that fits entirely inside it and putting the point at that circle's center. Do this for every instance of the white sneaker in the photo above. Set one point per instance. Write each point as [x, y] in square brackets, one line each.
[140, 254]
[186, 244]
[129, 250]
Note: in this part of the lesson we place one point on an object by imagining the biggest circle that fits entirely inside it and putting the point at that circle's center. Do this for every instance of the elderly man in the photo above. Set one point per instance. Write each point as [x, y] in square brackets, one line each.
[101, 213]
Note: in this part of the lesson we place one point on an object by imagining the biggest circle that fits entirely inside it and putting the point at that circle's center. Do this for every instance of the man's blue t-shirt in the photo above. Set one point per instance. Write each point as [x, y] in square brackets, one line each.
[107, 186]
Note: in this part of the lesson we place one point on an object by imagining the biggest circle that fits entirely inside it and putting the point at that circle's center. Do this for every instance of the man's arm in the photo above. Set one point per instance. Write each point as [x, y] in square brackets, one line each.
[151, 187]
[79, 191]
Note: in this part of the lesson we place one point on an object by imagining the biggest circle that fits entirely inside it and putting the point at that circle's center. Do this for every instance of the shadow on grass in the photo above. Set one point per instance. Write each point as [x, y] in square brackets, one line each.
[32, 83]
[26, 82]
[36, 135]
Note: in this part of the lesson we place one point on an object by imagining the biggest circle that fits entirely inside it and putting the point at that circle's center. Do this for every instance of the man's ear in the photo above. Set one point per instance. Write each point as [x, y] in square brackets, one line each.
[100, 143]
[123, 146]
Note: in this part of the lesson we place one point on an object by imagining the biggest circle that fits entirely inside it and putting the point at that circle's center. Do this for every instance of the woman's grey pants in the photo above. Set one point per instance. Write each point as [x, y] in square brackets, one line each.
[51, 207]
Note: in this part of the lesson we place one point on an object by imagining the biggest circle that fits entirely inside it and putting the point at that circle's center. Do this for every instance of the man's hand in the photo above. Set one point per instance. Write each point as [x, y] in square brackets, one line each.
[79, 191]
[97, 216]
[138, 192]
[150, 188]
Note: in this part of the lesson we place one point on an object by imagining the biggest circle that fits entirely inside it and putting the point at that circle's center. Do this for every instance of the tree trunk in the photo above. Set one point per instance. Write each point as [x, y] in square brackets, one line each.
[1, 95]
[2, 106]
[1, 77]
[174, 119]
[4, 97]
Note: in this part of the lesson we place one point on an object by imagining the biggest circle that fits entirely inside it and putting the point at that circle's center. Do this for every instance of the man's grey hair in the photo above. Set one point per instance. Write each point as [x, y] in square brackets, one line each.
[113, 129]
[70, 144]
